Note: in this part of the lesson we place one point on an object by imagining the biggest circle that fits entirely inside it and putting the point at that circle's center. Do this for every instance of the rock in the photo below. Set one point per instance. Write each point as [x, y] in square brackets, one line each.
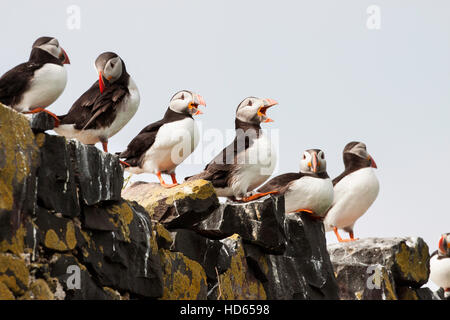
[408, 293]
[57, 189]
[362, 282]
[5, 293]
[41, 122]
[259, 222]
[237, 282]
[99, 175]
[56, 233]
[407, 259]
[39, 290]
[203, 250]
[178, 207]
[126, 258]
[19, 160]
[65, 267]
[183, 278]
[304, 270]
[14, 274]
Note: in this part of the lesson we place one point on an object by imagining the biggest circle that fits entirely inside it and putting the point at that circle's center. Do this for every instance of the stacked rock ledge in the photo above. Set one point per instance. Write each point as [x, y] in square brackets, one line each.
[68, 230]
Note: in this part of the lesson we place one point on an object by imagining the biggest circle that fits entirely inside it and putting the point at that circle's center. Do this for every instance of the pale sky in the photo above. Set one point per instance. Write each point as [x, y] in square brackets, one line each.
[335, 81]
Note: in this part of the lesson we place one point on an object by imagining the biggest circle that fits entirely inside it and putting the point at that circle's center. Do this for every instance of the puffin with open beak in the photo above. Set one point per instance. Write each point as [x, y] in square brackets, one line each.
[309, 190]
[106, 107]
[249, 160]
[355, 190]
[32, 86]
[440, 265]
[161, 146]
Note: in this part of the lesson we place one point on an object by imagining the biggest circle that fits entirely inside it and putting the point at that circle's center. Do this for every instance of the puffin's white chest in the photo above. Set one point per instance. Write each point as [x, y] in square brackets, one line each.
[310, 193]
[174, 142]
[254, 166]
[353, 195]
[46, 86]
[440, 271]
[125, 110]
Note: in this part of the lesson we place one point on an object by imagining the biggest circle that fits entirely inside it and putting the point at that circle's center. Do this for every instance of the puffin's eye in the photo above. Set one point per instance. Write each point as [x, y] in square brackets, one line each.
[322, 156]
[112, 64]
[182, 96]
[250, 103]
[304, 157]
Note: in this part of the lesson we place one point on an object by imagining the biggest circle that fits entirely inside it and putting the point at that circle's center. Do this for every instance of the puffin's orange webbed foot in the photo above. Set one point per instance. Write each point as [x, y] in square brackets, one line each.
[344, 240]
[257, 196]
[163, 184]
[312, 214]
[54, 116]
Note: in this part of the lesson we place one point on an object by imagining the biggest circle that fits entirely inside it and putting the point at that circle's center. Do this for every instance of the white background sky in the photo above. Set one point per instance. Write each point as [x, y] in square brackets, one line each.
[335, 81]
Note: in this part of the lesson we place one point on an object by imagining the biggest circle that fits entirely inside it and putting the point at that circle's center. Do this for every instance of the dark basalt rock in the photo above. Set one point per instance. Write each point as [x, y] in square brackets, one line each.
[179, 207]
[65, 266]
[99, 175]
[407, 259]
[19, 160]
[126, 258]
[53, 232]
[236, 279]
[41, 122]
[304, 270]
[259, 222]
[57, 189]
[205, 251]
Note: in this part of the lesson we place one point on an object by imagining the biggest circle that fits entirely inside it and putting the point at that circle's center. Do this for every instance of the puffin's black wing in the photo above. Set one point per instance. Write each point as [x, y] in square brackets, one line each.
[339, 177]
[140, 144]
[280, 183]
[94, 109]
[219, 169]
[16, 81]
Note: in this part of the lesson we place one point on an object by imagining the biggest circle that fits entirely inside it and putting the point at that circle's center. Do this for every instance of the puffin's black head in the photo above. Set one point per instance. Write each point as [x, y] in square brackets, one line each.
[444, 245]
[51, 45]
[253, 110]
[355, 153]
[186, 102]
[313, 161]
[110, 68]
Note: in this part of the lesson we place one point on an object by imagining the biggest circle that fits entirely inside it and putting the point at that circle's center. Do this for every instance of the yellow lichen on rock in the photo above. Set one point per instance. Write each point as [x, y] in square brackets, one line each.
[123, 216]
[183, 278]
[412, 264]
[237, 283]
[39, 290]
[5, 293]
[149, 195]
[18, 154]
[16, 244]
[14, 273]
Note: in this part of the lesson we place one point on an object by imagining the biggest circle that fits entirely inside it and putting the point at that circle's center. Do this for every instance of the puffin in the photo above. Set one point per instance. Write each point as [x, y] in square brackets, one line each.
[161, 146]
[32, 86]
[440, 265]
[309, 190]
[105, 108]
[355, 190]
[249, 160]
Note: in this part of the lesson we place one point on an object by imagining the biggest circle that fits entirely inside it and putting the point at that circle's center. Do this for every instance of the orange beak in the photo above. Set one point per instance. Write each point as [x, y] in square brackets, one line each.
[101, 84]
[262, 110]
[198, 101]
[372, 163]
[314, 162]
[66, 57]
[442, 248]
